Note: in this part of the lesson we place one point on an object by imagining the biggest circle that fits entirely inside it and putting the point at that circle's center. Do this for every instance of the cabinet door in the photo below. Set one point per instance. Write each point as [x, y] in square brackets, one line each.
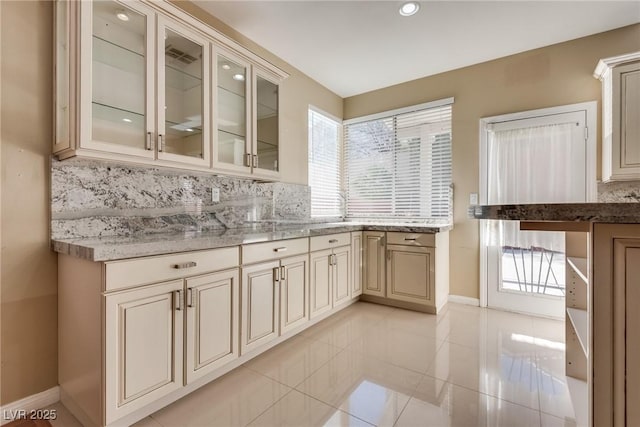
[260, 305]
[320, 272]
[356, 264]
[144, 345]
[294, 292]
[232, 141]
[341, 275]
[626, 125]
[266, 139]
[411, 274]
[374, 263]
[213, 309]
[183, 95]
[117, 77]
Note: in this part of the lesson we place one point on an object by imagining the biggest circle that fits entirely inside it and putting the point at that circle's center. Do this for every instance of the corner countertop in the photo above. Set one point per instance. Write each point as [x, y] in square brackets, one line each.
[621, 213]
[122, 247]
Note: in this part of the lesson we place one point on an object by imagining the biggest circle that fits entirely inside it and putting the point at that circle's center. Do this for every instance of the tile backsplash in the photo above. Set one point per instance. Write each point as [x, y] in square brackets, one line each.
[619, 192]
[91, 198]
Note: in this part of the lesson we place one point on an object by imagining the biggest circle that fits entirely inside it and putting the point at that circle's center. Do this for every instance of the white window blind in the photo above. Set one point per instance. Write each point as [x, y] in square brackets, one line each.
[398, 165]
[325, 165]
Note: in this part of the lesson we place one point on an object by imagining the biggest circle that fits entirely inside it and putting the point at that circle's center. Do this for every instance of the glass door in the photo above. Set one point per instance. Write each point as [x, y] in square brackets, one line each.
[118, 110]
[266, 142]
[183, 95]
[232, 148]
[532, 160]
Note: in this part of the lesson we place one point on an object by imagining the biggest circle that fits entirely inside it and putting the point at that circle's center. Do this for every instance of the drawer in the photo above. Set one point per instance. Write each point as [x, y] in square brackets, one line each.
[318, 243]
[257, 252]
[141, 271]
[411, 239]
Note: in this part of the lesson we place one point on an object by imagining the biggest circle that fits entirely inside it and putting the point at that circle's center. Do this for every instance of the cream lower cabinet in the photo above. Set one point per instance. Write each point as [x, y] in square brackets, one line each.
[614, 296]
[275, 293]
[373, 277]
[356, 263]
[411, 274]
[330, 271]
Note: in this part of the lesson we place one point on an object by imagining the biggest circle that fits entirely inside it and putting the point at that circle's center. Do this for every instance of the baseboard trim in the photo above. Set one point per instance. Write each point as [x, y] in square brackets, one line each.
[29, 403]
[464, 300]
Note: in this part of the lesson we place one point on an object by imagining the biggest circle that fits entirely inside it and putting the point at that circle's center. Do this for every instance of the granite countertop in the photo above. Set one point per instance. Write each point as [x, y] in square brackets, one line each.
[123, 247]
[623, 213]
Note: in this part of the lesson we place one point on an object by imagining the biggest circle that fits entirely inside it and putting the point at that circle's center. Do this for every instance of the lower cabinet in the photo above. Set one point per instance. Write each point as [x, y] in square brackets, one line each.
[356, 263]
[373, 277]
[411, 274]
[144, 341]
[294, 292]
[341, 275]
[331, 278]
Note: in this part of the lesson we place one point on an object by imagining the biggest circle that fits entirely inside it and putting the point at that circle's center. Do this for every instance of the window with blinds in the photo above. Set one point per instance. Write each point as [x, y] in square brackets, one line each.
[397, 165]
[325, 165]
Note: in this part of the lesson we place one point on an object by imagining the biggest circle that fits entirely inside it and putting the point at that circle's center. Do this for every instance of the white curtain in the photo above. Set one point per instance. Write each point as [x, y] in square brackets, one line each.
[542, 164]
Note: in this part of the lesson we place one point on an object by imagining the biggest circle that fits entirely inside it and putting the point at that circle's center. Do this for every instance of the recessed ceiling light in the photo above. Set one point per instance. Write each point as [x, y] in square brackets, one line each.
[122, 15]
[239, 77]
[226, 67]
[127, 120]
[409, 8]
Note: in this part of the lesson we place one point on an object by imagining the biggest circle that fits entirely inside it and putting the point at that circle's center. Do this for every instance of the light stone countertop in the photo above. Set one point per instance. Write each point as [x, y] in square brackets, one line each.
[621, 213]
[123, 247]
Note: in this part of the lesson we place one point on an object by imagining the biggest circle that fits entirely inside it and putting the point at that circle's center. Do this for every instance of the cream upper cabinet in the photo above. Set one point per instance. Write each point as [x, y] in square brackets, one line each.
[142, 81]
[620, 78]
[373, 278]
[356, 264]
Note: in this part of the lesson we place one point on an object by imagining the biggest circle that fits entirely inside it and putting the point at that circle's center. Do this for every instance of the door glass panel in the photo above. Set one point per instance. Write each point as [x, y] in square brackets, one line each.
[232, 112]
[267, 124]
[119, 75]
[183, 96]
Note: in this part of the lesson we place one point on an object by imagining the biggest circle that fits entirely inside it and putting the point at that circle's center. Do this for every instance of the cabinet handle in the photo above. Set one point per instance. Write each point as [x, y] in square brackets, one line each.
[282, 273]
[148, 145]
[191, 296]
[160, 143]
[248, 160]
[276, 274]
[408, 239]
[388, 254]
[333, 241]
[282, 249]
[330, 259]
[182, 265]
[255, 160]
[178, 300]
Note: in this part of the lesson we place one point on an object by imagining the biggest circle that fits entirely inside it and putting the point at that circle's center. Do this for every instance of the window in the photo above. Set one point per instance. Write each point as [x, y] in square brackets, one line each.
[325, 165]
[398, 164]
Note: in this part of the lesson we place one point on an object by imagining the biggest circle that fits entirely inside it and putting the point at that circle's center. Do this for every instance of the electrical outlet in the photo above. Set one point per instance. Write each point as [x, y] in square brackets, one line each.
[215, 194]
[473, 198]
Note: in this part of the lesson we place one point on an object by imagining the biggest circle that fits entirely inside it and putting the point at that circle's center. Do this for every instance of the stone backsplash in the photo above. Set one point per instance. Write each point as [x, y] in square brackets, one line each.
[619, 192]
[92, 198]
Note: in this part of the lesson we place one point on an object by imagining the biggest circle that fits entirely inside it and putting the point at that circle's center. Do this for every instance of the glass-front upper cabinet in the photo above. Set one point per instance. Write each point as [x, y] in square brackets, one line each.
[183, 95]
[233, 146]
[117, 112]
[266, 125]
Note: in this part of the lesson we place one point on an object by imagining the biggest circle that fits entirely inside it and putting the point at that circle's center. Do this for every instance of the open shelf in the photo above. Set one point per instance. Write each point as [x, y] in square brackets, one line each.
[579, 265]
[580, 321]
[578, 391]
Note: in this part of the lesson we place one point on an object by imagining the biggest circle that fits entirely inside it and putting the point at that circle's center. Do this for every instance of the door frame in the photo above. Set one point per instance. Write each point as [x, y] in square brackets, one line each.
[590, 108]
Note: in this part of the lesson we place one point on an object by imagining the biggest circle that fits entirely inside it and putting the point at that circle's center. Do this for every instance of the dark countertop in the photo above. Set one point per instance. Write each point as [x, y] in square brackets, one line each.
[622, 213]
[123, 247]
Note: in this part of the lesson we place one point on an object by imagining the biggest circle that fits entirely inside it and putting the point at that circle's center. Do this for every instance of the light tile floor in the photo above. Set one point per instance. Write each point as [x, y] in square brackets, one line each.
[377, 365]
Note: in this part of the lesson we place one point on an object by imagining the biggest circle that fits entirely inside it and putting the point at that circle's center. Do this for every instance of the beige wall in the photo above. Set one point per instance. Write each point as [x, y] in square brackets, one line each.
[555, 75]
[28, 268]
[296, 93]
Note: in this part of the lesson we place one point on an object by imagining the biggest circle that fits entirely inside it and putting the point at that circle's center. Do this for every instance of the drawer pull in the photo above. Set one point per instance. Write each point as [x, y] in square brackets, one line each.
[333, 241]
[408, 239]
[182, 265]
[282, 249]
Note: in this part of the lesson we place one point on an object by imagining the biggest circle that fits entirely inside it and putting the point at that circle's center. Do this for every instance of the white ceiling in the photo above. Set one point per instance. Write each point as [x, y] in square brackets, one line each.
[353, 47]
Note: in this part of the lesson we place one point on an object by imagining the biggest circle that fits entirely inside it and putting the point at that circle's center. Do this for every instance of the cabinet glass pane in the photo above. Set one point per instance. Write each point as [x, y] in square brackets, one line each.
[62, 72]
[183, 95]
[119, 75]
[267, 124]
[232, 112]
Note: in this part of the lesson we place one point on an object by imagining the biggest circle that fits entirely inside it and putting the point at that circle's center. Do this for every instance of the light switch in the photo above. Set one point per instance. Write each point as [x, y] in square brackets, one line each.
[473, 198]
[215, 194]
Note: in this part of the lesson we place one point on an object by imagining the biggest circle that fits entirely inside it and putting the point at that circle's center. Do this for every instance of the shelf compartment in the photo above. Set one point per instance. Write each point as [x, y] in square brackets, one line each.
[580, 266]
[580, 321]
